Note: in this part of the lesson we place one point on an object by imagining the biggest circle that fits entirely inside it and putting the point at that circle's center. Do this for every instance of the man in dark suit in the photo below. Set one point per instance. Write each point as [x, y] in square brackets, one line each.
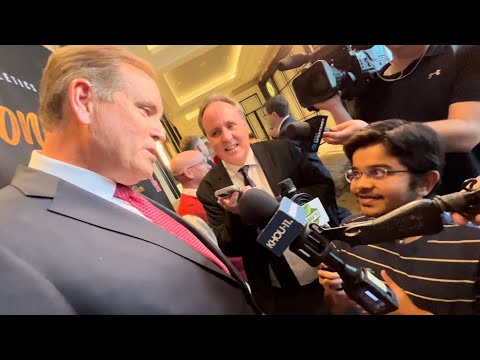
[277, 115]
[66, 215]
[285, 285]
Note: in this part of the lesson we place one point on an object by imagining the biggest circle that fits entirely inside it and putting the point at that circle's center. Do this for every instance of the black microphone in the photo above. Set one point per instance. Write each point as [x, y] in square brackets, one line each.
[309, 132]
[299, 130]
[250, 211]
[285, 228]
[282, 223]
[292, 62]
[419, 217]
[289, 190]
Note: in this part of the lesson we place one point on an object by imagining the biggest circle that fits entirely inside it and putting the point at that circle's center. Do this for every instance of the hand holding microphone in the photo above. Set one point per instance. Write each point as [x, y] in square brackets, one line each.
[285, 226]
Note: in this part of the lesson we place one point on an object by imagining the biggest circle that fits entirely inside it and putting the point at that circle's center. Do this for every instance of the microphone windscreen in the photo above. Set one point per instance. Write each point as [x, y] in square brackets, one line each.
[292, 62]
[257, 207]
[298, 131]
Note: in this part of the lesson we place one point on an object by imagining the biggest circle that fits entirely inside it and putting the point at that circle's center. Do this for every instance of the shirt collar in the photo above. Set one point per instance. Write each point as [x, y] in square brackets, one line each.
[83, 178]
[233, 169]
[280, 125]
[190, 192]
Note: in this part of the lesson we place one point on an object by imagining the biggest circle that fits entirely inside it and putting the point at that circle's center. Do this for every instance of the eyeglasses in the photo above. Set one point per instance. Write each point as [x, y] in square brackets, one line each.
[377, 173]
[204, 161]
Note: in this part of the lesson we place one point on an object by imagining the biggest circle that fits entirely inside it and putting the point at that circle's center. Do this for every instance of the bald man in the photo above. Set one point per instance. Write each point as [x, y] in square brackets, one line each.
[189, 168]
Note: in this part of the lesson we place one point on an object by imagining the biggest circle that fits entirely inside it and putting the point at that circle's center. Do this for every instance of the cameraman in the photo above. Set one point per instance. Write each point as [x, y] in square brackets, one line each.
[435, 84]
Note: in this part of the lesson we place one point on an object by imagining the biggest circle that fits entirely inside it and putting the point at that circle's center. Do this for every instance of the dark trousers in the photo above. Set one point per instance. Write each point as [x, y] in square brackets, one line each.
[304, 300]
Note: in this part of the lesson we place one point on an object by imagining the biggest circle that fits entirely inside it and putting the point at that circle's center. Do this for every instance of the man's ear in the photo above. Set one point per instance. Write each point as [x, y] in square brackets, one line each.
[428, 182]
[80, 96]
[188, 174]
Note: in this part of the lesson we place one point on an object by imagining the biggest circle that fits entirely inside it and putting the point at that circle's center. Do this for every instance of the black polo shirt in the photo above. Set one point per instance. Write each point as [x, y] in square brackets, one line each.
[428, 87]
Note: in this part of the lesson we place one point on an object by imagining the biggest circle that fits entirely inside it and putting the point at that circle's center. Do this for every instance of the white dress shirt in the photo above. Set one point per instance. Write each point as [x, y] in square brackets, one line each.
[281, 123]
[255, 172]
[87, 180]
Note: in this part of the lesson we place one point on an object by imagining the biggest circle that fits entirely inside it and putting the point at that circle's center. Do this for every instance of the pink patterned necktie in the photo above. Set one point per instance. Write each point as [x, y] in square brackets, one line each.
[163, 220]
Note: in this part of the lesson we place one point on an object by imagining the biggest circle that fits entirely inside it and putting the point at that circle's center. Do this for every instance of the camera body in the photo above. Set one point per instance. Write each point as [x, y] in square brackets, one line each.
[337, 68]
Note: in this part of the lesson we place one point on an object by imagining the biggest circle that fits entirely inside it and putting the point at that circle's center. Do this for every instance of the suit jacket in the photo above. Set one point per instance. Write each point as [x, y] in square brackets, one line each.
[25, 291]
[104, 259]
[279, 160]
[282, 133]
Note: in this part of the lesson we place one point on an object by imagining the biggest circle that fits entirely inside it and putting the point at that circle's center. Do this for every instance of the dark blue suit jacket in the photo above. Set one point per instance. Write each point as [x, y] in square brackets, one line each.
[104, 259]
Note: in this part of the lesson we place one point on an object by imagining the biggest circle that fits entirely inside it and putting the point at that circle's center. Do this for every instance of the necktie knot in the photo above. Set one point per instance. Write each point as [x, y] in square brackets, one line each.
[247, 180]
[123, 192]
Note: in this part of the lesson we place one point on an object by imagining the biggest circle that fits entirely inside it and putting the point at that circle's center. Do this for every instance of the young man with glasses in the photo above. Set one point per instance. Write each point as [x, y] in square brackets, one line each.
[394, 163]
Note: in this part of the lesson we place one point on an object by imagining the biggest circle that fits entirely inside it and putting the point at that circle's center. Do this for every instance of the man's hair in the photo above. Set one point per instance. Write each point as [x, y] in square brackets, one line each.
[98, 64]
[189, 143]
[415, 145]
[278, 104]
[213, 98]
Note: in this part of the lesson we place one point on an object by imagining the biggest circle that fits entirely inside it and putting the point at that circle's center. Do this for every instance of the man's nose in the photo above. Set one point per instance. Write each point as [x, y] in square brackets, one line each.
[226, 135]
[363, 183]
[158, 132]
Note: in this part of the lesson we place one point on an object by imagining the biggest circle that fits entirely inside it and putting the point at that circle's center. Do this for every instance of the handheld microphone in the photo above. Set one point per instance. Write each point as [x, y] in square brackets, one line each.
[282, 223]
[419, 217]
[286, 229]
[310, 132]
[289, 190]
[314, 210]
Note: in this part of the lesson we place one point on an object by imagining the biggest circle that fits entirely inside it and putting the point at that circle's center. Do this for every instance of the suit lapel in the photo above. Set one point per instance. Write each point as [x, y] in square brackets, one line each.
[270, 165]
[221, 177]
[76, 203]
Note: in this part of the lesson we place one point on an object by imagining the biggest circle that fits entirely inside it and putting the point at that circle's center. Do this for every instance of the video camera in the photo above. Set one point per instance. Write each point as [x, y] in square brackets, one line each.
[334, 68]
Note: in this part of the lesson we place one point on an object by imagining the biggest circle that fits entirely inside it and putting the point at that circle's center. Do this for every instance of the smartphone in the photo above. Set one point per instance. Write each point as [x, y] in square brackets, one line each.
[226, 192]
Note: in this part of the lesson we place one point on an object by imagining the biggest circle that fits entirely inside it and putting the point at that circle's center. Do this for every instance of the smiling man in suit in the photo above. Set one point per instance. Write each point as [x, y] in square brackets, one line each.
[284, 285]
[71, 216]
